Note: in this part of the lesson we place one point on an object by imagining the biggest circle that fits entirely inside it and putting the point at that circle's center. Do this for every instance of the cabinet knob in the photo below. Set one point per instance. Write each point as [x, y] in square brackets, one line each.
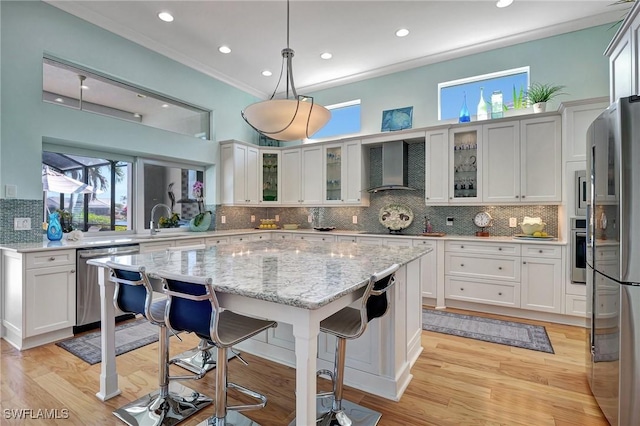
[499, 248]
[499, 293]
[523, 196]
[461, 288]
[539, 251]
[461, 247]
[240, 239]
[462, 265]
[451, 198]
[524, 263]
[302, 238]
[358, 199]
[51, 259]
[517, 196]
[323, 239]
[73, 271]
[500, 268]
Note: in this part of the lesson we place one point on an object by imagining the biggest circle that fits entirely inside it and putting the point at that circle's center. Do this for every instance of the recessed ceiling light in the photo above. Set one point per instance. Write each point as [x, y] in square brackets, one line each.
[141, 96]
[402, 32]
[136, 115]
[504, 3]
[224, 49]
[59, 100]
[267, 73]
[326, 55]
[165, 16]
[84, 87]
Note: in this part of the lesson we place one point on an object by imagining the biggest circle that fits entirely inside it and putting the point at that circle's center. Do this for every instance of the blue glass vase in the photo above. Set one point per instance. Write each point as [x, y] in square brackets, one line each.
[464, 111]
[54, 230]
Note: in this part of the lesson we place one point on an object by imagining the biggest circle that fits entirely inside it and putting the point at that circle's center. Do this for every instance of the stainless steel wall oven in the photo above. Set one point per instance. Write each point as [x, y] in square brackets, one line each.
[578, 247]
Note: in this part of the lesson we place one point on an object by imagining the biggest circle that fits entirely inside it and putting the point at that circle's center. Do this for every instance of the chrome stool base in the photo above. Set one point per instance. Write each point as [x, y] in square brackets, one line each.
[356, 415]
[233, 418]
[153, 410]
[195, 360]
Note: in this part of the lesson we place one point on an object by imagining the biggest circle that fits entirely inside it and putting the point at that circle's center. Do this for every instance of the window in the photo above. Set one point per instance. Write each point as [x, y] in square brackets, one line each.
[510, 82]
[68, 85]
[345, 119]
[95, 192]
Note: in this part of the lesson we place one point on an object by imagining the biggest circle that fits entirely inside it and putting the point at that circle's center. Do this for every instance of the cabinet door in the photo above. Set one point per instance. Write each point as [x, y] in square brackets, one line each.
[291, 177]
[251, 176]
[501, 162]
[541, 288]
[269, 177]
[352, 192]
[50, 299]
[465, 171]
[334, 174]
[621, 69]
[428, 268]
[436, 152]
[541, 160]
[311, 175]
[575, 122]
[240, 158]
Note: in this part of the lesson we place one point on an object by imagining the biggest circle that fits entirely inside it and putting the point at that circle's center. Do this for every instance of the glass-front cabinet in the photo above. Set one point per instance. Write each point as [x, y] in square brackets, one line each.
[270, 176]
[333, 158]
[465, 177]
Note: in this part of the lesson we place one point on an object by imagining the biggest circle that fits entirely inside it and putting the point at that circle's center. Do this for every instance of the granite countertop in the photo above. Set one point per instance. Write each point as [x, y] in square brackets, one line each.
[110, 240]
[291, 272]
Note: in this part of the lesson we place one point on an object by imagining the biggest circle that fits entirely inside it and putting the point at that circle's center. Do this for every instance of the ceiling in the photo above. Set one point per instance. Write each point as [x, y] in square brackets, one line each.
[359, 34]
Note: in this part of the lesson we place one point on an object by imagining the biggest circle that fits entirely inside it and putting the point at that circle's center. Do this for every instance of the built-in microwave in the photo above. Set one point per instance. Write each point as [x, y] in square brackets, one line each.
[581, 193]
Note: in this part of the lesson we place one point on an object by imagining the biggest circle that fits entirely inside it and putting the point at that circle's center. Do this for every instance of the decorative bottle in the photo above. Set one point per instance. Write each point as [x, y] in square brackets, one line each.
[482, 107]
[464, 111]
[54, 230]
[496, 104]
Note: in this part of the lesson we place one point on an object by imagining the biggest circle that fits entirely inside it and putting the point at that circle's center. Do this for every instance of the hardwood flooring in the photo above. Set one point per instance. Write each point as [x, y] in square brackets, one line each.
[456, 381]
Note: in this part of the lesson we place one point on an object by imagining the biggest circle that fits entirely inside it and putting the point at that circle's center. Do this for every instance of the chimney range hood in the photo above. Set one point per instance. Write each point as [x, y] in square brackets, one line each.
[394, 167]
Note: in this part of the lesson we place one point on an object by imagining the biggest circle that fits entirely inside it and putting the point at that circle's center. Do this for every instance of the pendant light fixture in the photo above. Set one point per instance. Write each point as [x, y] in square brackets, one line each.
[287, 119]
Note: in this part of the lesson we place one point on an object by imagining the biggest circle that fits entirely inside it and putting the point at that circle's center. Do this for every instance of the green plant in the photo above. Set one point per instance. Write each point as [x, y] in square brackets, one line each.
[541, 92]
[519, 98]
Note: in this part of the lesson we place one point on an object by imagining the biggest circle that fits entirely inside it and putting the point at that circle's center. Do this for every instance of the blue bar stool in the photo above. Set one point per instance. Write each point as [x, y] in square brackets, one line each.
[172, 402]
[193, 307]
[350, 323]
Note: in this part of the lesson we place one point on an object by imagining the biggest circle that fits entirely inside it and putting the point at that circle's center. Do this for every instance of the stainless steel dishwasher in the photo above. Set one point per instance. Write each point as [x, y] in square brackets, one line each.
[87, 288]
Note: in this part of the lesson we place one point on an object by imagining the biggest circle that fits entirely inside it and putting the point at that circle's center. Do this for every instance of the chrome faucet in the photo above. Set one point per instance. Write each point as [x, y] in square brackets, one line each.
[152, 225]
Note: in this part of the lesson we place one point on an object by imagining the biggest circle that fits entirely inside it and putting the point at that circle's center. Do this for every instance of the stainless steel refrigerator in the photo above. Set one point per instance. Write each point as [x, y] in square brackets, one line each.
[613, 261]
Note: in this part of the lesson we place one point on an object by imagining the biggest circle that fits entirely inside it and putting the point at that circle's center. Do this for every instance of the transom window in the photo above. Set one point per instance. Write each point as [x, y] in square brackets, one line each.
[345, 119]
[512, 83]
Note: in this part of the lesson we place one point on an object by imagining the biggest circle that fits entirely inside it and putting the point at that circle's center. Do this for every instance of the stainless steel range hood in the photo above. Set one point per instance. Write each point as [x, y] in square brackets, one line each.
[394, 167]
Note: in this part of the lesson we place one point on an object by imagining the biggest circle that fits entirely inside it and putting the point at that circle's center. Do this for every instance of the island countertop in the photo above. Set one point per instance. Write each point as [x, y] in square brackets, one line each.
[291, 272]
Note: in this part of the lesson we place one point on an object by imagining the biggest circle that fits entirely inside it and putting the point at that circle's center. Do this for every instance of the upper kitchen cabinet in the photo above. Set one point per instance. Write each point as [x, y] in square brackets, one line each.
[302, 175]
[270, 176]
[577, 116]
[522, 161]
[239, 173]
[623, 53]
[436, 152]
[343, 173]
[465, 164]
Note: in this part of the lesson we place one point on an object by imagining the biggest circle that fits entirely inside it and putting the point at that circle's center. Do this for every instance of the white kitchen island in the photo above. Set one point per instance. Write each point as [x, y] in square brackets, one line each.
[297, 283]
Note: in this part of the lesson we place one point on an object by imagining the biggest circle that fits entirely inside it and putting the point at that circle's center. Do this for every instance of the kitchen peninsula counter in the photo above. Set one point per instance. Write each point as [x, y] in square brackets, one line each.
[299, 283]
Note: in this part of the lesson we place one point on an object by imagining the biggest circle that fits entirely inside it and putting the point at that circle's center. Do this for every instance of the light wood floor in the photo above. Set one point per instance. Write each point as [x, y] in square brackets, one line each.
[457, 381]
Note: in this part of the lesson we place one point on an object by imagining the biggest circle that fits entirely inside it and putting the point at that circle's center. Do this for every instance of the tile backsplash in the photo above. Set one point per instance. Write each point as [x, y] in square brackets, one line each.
[11, 208]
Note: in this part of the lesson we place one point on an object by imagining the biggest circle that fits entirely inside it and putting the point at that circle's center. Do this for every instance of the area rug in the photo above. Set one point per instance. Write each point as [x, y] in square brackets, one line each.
[129, 336]
[510, 333]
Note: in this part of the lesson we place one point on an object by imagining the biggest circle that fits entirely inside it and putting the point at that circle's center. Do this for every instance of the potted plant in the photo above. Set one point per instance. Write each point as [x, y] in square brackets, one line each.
[539, 94]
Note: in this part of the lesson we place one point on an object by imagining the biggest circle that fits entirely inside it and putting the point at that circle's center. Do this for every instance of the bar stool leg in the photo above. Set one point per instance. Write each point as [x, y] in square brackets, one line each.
[170, 404]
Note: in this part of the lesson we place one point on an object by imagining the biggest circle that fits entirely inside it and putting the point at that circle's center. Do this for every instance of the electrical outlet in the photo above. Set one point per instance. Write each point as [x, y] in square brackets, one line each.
[21, 223]
[449, 221]
[223, 219]
[513, 222]
[309, 219]
[277, 218]
[354, 219]
[253, 218]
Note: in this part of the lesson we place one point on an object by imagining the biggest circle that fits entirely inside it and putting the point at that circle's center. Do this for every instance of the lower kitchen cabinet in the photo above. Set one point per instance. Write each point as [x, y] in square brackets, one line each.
[428, 268]
[541, 287]
[39, 300]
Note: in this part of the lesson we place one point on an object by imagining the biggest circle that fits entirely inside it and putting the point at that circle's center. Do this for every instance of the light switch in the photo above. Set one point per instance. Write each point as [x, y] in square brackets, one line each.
[253, 218]
[277, 218]
[11, 191]
[309, 219]
[513, 222]
[354, 219]
[223, 219]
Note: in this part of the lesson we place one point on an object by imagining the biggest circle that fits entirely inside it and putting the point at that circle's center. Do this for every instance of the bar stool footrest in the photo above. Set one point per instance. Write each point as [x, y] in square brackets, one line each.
[152, 409]
[248, 392]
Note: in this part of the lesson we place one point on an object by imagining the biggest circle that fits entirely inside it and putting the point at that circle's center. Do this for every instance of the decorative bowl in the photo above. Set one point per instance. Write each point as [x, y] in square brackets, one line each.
[290, 226]
[530, 228]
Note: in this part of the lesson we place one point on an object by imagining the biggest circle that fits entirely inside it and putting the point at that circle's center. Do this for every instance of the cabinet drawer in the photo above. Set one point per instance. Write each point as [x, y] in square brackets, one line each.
[316, 238]
[424, 243]
[483, 248]
[396, 242]
[501, 268]
[373, 241]
[540, 250]
[248, 237]
[345, 239]
[482, 292]
[189, 243]
[214, 241]
[159, 246]
[606, 253]
[51, 258]
[575, 305]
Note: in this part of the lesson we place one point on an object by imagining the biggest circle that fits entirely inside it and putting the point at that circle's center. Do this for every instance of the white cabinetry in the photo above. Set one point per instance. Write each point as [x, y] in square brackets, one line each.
[39, 300]
[465, 165]
[239, 174]
[541, 288]
[437, 166]
[522, 161]
[428, 268]
[576, 119]
[302, 175]
[623, 53]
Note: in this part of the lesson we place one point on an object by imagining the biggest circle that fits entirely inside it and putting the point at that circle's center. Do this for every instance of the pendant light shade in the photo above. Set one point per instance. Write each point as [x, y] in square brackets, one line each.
[287, 119]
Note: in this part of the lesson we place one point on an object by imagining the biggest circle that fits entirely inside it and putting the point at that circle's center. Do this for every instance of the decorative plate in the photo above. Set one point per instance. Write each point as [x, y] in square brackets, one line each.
[324, 228]
[395, 216]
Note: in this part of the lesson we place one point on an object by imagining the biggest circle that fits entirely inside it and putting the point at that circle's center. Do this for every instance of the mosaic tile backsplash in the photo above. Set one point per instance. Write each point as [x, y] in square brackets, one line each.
[11, 208]
[341, 217]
